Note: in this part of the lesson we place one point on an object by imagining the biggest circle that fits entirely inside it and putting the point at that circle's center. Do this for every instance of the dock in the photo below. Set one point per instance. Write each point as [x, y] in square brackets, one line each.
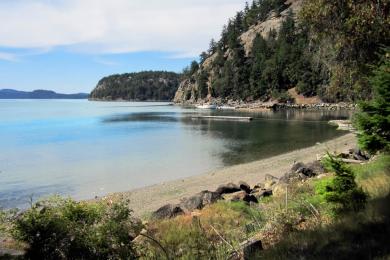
[225, 118]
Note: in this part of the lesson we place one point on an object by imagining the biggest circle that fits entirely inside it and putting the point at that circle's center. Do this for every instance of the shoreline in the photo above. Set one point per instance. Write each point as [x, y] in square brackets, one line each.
[145, 200]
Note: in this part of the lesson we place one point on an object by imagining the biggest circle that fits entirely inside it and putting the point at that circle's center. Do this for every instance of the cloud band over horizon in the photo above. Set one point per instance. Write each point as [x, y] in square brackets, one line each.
[68, 45]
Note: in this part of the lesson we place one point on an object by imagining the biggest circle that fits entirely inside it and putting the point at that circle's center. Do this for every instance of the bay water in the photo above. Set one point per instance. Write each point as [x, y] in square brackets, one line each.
[84, 149]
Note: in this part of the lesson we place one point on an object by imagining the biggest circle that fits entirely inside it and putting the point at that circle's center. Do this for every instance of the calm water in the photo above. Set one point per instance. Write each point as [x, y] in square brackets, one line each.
[86, 149]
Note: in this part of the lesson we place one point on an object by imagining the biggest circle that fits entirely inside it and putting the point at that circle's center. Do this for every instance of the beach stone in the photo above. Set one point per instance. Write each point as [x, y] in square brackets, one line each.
[167, 211]
[228, 188]
[251, 249]
[249, 198]
[234, 197]
[296, 166]
[316, 167]
[200, 200]
[262, 193]
[305, 172]
[245, 186]
[259, 186]
[240, 196]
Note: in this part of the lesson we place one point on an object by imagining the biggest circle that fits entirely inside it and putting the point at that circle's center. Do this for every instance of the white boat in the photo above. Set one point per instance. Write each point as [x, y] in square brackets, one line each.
[206, 106]
[226, 108]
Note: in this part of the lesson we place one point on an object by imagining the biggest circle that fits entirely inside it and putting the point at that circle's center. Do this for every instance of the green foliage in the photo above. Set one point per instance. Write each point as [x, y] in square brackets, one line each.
[147, 85]
[202, 79]
[65, 229]
[373, 119]
[345, 36]
[343, 189]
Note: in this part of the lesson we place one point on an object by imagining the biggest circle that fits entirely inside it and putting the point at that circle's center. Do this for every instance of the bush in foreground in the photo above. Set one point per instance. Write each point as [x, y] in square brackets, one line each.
[343, 189]
[64, 229]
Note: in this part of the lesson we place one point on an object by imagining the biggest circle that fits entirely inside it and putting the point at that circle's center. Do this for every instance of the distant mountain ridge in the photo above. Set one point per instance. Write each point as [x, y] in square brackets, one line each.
[39, 94]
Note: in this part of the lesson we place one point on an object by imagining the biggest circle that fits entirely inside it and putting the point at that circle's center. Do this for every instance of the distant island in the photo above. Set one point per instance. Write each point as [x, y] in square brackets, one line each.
[39, 94]
[140, 86]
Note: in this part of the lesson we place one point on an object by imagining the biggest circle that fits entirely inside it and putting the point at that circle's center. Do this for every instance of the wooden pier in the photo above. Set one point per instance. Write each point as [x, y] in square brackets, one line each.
[225, 118]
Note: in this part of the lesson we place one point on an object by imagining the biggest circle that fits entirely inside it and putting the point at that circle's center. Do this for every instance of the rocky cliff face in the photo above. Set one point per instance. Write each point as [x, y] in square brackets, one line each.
[188, 90]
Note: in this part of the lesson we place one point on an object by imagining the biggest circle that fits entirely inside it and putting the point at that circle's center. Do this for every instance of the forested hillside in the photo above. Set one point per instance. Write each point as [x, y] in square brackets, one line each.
[319, 47]
[142, 86]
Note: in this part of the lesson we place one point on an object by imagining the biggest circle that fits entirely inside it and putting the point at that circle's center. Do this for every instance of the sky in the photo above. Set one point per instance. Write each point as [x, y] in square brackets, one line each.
[69, 45]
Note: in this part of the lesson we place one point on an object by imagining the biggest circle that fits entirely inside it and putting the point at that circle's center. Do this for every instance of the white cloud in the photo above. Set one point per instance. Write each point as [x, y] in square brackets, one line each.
[114, 26]
[8, 56]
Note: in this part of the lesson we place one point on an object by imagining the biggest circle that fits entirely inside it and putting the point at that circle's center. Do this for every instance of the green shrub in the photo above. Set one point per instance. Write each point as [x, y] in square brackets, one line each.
[343, 189]
[64, 229]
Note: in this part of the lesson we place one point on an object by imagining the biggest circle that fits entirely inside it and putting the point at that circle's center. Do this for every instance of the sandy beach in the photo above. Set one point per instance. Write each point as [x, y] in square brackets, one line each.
[148, 199]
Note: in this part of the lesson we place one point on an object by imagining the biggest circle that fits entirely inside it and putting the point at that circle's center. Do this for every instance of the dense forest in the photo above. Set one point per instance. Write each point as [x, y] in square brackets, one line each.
[142, 86]
[322, 47]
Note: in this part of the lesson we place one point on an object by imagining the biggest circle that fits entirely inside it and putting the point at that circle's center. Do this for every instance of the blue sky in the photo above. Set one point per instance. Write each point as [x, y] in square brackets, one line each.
[68, 45]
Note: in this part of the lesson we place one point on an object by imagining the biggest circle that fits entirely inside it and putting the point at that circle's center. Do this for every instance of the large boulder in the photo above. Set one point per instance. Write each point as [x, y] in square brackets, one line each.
[240, 196]
[316, 167]
[227, 188]
[234, 197]
[296, 166]
[245, 186]
[358, 154]
[200, 200]
[260, 185]
[262, 193]
[167, 211]
[300, 171]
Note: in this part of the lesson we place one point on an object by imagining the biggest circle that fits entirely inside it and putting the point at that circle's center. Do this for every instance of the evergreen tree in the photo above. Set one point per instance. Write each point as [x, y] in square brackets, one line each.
[373, 120]
[259, 57]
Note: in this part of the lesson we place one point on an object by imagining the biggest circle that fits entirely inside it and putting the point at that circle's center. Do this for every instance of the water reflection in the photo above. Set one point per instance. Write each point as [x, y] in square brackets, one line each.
[270, 133]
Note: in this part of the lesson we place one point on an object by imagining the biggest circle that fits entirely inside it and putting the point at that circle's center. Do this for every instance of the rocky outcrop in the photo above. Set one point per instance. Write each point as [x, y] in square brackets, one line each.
[187, 92]
[273, 22]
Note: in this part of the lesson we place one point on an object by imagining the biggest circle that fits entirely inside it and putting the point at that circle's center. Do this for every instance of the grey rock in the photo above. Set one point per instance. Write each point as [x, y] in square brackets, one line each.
[262, 193]
[316, 167]
[249, 198]
[296, 166]
[167, 211]
[259, 186]
[200, 200]
[245, 186]
[227, 188]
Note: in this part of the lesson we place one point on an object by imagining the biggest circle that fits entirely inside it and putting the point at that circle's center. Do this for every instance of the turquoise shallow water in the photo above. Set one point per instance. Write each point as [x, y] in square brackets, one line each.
[85, 149]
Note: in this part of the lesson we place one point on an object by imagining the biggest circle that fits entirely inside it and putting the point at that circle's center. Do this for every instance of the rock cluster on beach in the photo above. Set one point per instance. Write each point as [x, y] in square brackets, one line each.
[241, 191]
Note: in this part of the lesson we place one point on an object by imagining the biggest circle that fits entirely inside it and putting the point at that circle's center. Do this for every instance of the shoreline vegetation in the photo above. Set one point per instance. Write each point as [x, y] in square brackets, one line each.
[268, 208]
